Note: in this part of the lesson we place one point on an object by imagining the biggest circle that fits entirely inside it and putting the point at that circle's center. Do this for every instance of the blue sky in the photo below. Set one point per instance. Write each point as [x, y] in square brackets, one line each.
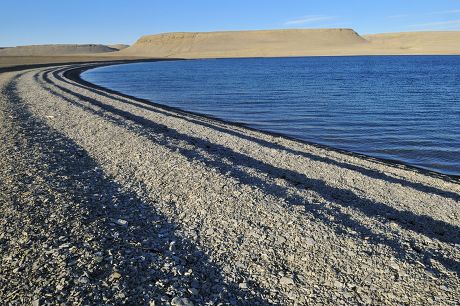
[25, 22]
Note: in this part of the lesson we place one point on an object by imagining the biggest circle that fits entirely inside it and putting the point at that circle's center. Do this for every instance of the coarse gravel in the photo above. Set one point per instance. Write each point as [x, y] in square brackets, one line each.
[107, 199]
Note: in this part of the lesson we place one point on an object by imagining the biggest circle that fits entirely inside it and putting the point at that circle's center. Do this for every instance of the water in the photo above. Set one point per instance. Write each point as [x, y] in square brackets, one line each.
[404, 108]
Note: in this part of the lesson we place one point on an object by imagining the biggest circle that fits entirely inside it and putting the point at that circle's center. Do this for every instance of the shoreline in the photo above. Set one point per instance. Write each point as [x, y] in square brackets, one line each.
[45, 61]
[111, 199]
[84, 60]
[75, 75]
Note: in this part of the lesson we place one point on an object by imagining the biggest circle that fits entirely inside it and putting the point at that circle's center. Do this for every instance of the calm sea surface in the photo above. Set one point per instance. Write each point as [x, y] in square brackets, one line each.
[404, 108]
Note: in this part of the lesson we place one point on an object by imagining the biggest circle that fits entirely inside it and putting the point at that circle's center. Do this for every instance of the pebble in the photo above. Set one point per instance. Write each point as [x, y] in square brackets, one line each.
[338, 284]
[121, 222]
[280, 240]
[394, 266]
[181, 301]
[309, 241]
[444, 288]
[286, 281]
[243, 285]
[64, 246]
[115, 276]
[205, 226]
[193, 291]
[366, 299]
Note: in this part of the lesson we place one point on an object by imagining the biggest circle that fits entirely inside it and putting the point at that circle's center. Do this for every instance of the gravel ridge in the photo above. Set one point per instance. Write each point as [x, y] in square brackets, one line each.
[106, 199]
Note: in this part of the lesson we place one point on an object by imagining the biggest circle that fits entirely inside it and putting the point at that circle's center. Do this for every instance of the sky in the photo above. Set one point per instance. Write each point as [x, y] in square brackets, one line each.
[25, 22]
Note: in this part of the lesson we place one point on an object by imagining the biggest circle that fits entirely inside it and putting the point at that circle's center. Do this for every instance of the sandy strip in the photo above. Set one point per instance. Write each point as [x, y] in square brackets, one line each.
[107, 199]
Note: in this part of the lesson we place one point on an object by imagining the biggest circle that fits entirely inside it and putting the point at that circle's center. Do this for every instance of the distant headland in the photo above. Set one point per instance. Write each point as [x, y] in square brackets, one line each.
[228, 44]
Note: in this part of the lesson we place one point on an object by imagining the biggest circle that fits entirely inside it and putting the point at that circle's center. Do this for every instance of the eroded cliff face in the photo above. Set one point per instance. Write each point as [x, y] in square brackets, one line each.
[295, 42]
[265, 43]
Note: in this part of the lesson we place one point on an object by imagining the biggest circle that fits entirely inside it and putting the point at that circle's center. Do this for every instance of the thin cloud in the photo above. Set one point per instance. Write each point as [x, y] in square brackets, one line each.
[398, 16]
[437, 23]
[447, 12]
[309, 19]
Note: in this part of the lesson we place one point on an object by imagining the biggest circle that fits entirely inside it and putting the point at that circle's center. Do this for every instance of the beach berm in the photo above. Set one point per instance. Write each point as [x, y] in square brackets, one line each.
[108, 199]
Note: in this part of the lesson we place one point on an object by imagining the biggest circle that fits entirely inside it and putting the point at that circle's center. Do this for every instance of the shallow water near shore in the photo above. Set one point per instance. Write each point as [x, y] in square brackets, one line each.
[404, 108]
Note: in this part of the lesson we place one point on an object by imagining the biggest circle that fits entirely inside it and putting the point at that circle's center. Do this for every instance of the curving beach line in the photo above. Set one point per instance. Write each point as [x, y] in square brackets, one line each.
[108, 199]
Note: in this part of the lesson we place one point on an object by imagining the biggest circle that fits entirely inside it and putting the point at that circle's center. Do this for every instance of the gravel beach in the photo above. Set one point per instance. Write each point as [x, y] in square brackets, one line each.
[106, 199]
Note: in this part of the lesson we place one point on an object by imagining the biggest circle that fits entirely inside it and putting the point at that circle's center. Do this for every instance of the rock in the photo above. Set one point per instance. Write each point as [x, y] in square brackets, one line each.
[310, 241]
[292, 296]
[121, 222]
[115, 276]
[394, 266]
[243, 286]
[193, 291]
[83, 280]
[185, 223]
[178, 301]
[64, 246]
[366, 299]
[285, 281]
[444, 288]
[280, 240]
[338, 284]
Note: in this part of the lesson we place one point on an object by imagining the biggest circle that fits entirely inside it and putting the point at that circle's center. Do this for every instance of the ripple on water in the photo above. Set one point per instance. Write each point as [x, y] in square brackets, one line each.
[405, 108]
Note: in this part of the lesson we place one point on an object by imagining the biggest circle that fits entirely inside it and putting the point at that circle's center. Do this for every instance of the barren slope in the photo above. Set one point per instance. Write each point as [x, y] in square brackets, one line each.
[266, 43]
[418, 42]
[247, 43]
[55, 50]
[118, 46]
[305, 42]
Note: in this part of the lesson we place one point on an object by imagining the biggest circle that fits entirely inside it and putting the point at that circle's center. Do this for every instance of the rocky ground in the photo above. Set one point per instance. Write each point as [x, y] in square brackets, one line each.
[105, 199]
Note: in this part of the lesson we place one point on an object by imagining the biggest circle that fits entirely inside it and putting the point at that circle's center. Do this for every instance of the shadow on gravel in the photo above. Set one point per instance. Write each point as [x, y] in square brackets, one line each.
[227, 161]
[367, 172]
[153, 261]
